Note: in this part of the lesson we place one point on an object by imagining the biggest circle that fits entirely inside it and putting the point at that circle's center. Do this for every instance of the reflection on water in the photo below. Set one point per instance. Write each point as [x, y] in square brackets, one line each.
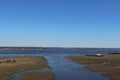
[63, 68]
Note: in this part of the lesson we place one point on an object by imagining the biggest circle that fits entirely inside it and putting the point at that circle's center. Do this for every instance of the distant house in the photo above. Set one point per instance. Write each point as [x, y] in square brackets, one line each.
[99, 55]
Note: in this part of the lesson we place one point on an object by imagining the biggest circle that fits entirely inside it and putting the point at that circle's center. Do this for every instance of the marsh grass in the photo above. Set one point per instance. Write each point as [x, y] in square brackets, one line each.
[112, 66]
[21, 64]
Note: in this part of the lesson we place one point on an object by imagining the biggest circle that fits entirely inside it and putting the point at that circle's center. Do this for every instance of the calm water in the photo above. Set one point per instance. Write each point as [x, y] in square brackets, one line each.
[63, 68]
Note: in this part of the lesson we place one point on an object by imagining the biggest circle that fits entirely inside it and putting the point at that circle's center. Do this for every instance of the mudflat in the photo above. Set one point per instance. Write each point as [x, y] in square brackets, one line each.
[11, 65]
[109, 63]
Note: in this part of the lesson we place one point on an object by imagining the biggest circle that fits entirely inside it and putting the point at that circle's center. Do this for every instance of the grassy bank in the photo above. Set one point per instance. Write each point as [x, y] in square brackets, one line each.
[40, 75]
[9, 66]
[107, 63]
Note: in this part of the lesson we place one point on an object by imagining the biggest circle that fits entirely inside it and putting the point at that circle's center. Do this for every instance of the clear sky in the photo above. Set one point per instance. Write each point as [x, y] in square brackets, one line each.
[60, 23]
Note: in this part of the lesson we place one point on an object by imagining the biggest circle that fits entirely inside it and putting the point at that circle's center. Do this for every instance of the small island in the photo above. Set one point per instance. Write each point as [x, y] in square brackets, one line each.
[11, 65]
[108, 63]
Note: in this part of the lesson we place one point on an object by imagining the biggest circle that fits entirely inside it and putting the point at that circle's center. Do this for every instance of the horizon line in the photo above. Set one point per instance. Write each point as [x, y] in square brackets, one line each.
[51, 47]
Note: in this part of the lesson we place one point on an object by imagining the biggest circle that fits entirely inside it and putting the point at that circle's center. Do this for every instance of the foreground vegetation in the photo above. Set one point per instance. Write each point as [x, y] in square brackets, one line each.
[40, 75]
[109, 63]
[9, 66]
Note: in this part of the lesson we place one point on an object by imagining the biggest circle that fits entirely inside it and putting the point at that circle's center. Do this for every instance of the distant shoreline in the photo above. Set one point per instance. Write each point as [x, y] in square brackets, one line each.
[38, 48]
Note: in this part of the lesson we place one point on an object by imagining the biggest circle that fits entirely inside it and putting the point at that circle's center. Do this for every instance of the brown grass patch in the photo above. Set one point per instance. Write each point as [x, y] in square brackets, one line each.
[108, 63]
[40, 75]
[22, 63]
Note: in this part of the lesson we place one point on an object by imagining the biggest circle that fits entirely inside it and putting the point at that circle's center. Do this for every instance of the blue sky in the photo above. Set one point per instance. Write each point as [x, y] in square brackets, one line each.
[60, 23]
